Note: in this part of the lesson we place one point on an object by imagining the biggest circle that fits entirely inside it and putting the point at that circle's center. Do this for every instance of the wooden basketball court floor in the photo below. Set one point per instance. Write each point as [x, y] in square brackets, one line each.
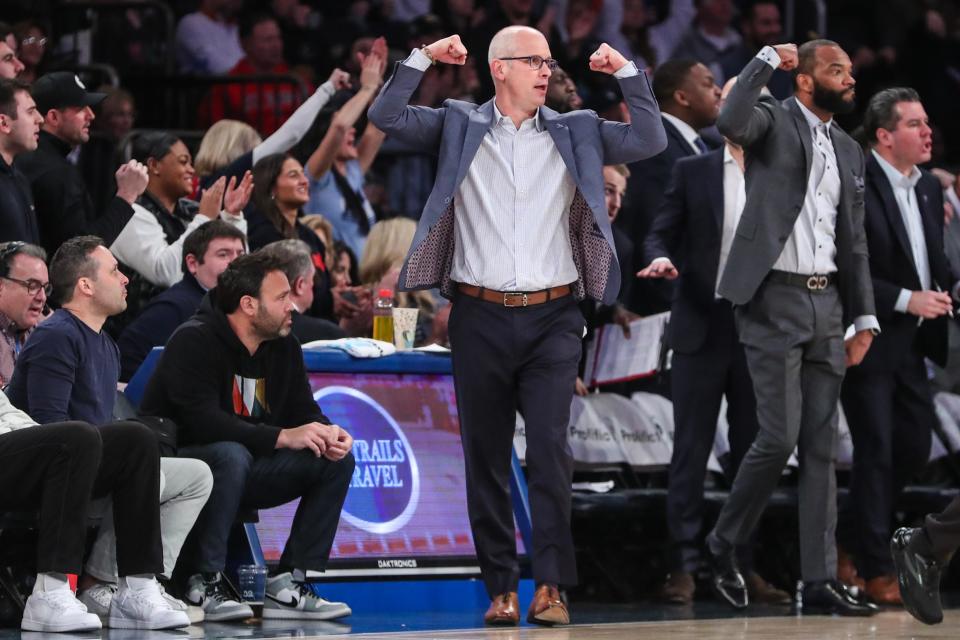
[884, 626]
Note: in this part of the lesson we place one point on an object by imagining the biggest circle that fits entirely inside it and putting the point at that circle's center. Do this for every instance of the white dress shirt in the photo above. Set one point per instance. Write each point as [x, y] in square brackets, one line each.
[812, 245]
[734, 198]
[512, 209]
[905, 194]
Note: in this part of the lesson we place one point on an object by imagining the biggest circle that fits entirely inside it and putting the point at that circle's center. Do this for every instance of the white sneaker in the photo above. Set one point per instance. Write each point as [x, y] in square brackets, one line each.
[97, 599]
[211, 595]
[57, 610]
[144, 607]
[195, 614]
[291, 600]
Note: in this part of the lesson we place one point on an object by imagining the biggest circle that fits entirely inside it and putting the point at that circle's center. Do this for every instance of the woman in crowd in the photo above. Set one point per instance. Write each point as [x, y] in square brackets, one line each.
[336, 169]
[280, 191]
[383, 255]
[324, 230]
[32, 41]
[231, 148]
[151, 243]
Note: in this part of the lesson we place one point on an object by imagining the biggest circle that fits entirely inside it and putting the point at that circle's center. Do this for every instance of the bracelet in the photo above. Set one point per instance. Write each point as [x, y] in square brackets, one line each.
[425, 51]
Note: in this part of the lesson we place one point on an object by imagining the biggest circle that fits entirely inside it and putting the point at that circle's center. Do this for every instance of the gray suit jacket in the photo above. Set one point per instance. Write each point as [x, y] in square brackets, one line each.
[585, 142]
[778, 146]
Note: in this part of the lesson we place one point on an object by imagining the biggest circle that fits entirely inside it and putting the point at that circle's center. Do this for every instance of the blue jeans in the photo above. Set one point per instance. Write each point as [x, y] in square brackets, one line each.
[244, 481]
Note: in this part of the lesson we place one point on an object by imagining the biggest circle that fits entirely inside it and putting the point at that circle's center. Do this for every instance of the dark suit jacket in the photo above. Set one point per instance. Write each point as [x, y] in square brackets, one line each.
[892, 268]
[778, 145]
[645, 189]
[688, 229]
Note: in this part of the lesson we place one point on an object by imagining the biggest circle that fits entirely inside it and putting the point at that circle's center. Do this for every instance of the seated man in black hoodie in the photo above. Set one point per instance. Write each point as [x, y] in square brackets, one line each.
[234, 381]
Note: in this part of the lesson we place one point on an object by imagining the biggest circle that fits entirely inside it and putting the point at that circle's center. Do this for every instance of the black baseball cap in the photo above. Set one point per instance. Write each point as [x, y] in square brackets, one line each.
[63, 89]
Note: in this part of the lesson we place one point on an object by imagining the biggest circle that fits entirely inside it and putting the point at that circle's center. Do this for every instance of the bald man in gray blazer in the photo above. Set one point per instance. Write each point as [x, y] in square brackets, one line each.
[798, 275]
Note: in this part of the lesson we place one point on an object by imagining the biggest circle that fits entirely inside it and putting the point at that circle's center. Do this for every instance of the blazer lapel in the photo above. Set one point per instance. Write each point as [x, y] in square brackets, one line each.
[478, 124]
[929, 217]
[890, 207]
[560, 133]
[803, 129]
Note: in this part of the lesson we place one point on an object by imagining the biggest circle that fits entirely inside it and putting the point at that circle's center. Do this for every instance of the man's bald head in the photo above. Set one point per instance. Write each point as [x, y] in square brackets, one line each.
[506, 41]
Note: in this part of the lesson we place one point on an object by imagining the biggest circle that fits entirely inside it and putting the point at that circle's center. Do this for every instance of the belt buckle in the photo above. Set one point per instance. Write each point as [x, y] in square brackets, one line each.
[817, 283]
[509, 299]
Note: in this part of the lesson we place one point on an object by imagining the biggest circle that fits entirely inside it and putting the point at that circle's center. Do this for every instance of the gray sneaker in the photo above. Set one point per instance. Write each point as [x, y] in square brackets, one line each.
[211, 596]
[288, 599]
[98, 598]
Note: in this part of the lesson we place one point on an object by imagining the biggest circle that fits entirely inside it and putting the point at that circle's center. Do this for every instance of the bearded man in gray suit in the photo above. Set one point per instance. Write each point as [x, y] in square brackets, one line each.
[798, 274]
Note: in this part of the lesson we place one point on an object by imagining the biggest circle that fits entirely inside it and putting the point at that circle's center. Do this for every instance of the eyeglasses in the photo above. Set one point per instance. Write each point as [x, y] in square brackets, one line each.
[536, 62]
[33, 287]
[40, 42]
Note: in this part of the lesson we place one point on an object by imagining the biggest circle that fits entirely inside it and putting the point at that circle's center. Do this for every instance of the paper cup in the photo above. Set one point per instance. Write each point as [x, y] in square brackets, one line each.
[404, 327]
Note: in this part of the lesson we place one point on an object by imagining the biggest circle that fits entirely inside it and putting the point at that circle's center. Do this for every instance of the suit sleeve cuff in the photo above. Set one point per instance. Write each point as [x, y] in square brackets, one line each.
[627, 71]
[903, 300]
[770, 56]
[419, 61]
[955, 291]
[866, 323]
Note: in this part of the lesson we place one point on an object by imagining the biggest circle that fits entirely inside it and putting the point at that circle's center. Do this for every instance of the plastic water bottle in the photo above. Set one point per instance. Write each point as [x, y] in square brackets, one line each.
[383, 316]
[251, 581]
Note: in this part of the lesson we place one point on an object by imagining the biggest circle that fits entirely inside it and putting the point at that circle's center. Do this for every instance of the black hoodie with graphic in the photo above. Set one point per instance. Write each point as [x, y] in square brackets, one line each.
[214, 390]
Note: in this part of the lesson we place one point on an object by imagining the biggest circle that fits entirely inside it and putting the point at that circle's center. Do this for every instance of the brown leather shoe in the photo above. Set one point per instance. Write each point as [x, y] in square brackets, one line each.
[760, 590]
[847, 571]
[884, 590]
[679, 588]
[504, 610]
[547, 608]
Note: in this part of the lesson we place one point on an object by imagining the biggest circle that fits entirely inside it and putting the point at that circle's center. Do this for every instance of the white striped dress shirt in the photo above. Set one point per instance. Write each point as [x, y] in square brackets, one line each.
[512, 212]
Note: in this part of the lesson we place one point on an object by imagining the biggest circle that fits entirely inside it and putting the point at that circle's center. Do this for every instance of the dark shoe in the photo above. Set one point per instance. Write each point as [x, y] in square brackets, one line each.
[504, 610]
[830, 596]
[762, 591]
[918, 573]
[547, 608]
[678, 589]
[726, 579]
[847, 571]
[884, 590]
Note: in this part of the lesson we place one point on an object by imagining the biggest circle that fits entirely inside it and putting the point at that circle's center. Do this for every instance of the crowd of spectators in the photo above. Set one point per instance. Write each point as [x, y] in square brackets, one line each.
[140, 209]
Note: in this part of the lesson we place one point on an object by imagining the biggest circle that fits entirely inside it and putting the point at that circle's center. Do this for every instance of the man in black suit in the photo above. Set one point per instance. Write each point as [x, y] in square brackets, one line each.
[887, 399]
[689, 100]
[694, 229]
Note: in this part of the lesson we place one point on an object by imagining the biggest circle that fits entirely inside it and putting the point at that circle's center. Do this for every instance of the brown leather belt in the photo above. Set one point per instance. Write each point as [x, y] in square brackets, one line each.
[514, 298]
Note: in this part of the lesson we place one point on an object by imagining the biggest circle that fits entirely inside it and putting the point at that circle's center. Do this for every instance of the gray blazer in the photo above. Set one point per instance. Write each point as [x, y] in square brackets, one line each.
[585, 142]
[778, 146]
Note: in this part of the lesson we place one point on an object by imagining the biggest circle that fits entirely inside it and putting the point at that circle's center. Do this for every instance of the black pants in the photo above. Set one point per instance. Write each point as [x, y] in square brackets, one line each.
[699, 382]
[505, 359]
[890, 416]
[58, 467]
[244, 481]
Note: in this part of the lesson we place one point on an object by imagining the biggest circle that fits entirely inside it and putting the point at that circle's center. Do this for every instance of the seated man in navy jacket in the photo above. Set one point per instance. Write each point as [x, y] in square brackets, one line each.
[233, 379]
[206, 253]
